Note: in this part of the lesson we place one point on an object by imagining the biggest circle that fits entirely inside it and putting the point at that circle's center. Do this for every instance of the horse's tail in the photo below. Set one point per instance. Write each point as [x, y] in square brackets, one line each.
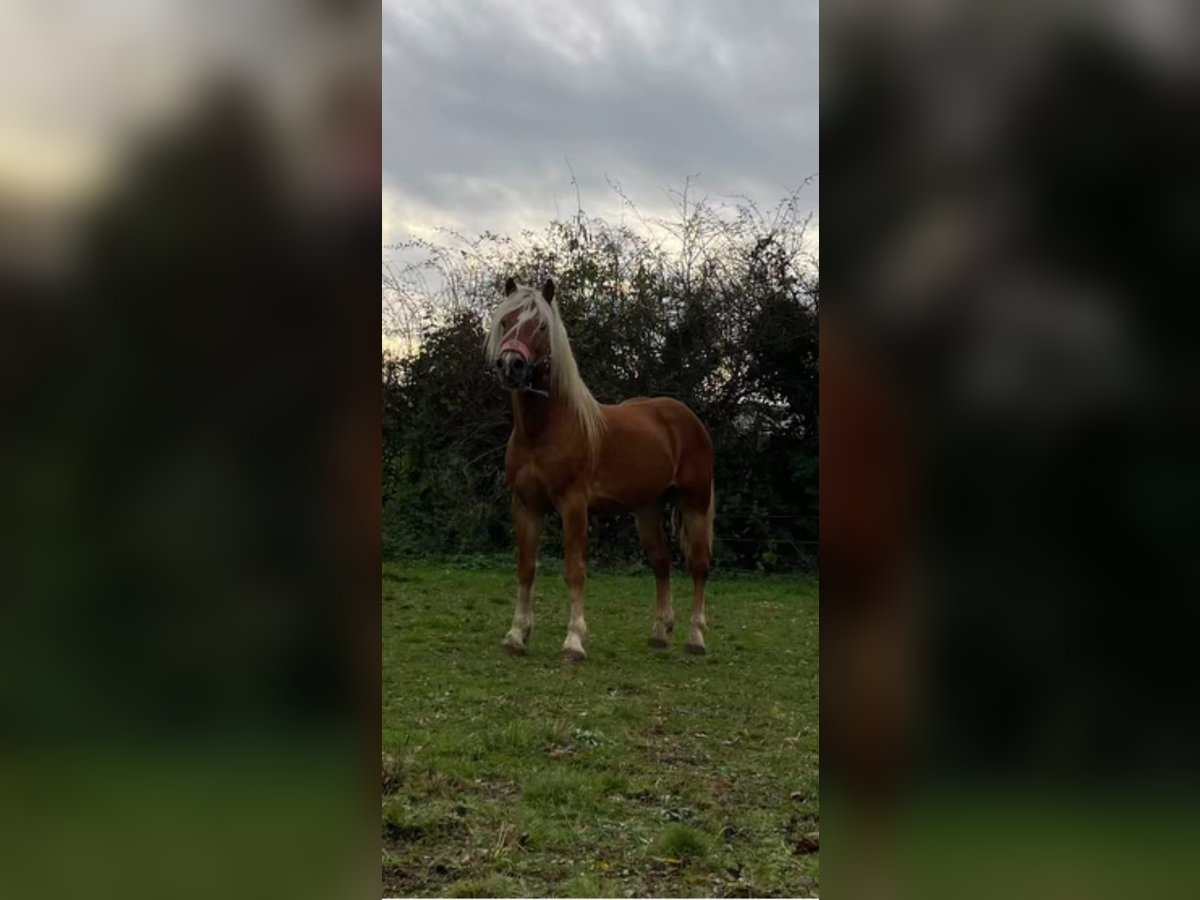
[681, 524]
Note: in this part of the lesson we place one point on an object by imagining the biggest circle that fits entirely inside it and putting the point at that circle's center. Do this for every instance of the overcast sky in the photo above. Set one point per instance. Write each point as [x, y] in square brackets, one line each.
[485, 100]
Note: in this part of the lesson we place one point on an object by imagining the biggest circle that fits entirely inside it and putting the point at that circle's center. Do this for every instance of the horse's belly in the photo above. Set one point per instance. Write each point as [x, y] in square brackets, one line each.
[630, 487]
[637, 463]
[611, 506]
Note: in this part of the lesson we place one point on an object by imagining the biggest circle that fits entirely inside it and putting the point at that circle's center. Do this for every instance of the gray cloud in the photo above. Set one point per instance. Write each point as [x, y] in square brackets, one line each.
[484, 99]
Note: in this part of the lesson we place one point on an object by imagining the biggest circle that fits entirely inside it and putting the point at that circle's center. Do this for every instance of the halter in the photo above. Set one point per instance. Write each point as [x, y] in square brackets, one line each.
[512, 345]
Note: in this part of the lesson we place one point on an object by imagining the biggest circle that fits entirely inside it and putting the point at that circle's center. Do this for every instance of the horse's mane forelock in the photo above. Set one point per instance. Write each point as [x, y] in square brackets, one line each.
[565, 380]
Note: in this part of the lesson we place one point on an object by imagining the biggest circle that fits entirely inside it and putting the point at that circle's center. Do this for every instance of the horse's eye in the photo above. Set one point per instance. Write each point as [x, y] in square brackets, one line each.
[542, 327]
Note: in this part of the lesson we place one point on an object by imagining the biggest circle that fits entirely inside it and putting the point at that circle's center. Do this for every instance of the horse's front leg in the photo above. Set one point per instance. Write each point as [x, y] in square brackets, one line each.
[527, 525]
[575, 533]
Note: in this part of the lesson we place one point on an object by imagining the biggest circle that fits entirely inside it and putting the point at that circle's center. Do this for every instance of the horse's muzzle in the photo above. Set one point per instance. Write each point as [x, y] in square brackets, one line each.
[514, 369]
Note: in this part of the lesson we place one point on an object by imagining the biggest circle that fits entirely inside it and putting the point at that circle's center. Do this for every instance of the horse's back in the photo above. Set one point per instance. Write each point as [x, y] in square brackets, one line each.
[671, 414]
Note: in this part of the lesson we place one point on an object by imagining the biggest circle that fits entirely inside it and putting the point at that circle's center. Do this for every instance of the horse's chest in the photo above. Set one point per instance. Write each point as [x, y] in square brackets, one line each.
[536, 482]
[524, 476]
[531, 488]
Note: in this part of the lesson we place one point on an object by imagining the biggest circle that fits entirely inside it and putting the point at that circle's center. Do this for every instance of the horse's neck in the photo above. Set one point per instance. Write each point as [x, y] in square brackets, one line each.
[533, 414]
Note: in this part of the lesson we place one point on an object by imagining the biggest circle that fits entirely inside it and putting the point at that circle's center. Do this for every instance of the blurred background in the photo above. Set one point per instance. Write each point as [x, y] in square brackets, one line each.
[1009, 459]
[189, 528]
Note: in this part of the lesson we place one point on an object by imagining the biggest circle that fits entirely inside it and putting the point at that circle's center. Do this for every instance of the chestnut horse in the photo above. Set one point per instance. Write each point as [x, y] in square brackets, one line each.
[572, 454]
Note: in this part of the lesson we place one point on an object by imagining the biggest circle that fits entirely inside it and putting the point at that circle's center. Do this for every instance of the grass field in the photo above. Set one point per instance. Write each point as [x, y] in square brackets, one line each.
[636, 773]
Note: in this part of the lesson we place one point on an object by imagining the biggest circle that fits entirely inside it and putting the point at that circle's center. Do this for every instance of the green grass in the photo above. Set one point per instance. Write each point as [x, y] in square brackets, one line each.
[638, 772]
[683, 842]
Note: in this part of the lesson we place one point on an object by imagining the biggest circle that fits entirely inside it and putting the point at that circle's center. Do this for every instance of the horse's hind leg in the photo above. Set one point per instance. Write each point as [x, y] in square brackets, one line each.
[527, 526]
[697, 537]
[654, 543]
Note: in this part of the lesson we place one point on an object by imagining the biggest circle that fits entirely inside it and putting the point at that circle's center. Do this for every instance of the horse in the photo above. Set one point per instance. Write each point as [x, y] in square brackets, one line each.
[574, 455]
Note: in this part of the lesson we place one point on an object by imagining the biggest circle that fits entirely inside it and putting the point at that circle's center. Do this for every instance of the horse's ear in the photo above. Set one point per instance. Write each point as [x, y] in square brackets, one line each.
[548, 290]
[509, 286]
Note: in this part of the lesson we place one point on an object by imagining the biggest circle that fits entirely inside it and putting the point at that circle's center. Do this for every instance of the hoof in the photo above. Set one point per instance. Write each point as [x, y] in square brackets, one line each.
[695, 649]
[572, 655]
[512, 648]
[658, 643]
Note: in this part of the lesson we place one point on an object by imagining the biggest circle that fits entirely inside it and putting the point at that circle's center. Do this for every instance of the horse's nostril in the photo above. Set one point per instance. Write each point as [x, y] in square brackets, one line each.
[513, 368]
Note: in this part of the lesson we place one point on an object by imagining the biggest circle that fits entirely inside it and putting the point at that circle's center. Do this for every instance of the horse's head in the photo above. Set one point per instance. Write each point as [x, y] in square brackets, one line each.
[519, 341]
